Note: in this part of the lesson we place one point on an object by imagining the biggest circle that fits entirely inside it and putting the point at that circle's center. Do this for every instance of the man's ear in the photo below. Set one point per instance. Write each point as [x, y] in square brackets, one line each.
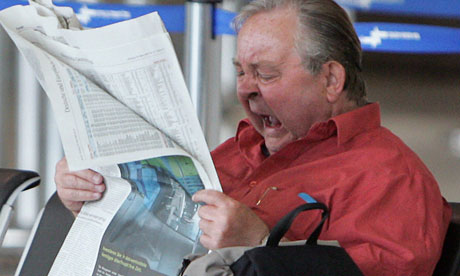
[335, 75]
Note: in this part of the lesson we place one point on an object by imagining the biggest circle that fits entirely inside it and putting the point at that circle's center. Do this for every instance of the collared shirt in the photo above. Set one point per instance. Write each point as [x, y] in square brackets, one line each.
[386, 209]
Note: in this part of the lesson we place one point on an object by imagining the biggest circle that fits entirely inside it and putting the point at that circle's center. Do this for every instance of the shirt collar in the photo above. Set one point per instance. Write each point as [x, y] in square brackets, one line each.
[345, 126]
[241, 126]
[250, 142]
[353, 123]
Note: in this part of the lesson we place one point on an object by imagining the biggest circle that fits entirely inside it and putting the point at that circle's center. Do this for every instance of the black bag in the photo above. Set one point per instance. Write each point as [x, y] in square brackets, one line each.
[271, 259]
[305, 259]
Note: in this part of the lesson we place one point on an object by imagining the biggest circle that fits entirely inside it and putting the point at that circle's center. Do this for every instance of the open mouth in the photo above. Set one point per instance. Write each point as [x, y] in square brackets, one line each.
[270, 121]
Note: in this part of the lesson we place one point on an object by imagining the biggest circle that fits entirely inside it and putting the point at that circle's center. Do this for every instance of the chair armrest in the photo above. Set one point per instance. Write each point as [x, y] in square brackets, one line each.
[15, 181]
[12, 183]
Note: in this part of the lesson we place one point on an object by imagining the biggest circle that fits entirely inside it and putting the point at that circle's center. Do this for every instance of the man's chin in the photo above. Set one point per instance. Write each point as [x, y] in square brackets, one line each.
[275, 145]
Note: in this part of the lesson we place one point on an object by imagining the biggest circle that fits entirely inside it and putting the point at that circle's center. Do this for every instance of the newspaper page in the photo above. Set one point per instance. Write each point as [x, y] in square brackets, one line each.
[122, 109]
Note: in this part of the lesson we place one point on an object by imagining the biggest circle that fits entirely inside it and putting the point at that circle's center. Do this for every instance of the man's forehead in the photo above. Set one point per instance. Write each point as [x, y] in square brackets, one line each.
[261, 52]
[279, 19]
[266, 38]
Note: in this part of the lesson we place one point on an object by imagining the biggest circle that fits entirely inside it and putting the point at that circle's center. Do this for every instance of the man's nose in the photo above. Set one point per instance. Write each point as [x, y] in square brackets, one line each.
[247, 87]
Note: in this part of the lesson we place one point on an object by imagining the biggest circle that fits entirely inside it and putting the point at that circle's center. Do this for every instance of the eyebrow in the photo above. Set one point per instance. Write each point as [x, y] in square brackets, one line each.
[268, 64]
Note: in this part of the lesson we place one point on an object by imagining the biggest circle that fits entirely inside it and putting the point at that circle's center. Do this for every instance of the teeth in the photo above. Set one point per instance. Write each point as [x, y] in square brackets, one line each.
[271, 121]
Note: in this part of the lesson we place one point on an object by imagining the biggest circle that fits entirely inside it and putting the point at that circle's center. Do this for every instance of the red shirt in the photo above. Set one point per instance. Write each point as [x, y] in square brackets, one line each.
[386, 209]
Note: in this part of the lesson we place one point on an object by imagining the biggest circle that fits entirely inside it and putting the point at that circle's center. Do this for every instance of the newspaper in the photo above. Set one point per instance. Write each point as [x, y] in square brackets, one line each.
[122, 109]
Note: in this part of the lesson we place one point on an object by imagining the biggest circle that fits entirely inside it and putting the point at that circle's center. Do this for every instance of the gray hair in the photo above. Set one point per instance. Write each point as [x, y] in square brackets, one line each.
[325, 33]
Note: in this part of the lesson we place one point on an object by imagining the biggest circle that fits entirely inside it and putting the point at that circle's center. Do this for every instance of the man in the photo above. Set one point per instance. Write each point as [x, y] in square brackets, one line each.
[310, 129]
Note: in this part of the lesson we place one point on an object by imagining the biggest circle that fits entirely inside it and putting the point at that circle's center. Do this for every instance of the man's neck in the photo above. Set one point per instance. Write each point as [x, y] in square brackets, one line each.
[343, 106]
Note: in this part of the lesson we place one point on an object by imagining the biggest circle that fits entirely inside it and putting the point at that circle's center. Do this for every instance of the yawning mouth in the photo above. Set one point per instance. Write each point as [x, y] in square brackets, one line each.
[271, 121]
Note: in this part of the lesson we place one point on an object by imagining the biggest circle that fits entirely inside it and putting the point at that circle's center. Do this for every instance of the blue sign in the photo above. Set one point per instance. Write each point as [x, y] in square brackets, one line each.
[8, 3]
[431, 8]
[407, 38]
[375, 37]
[223, 22]
[98, 15]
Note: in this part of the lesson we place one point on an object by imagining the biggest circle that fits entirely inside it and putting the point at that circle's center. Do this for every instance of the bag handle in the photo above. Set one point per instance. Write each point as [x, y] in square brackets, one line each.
[284, 223]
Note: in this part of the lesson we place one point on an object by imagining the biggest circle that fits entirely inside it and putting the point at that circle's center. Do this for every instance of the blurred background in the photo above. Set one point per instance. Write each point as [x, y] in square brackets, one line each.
[419, 94]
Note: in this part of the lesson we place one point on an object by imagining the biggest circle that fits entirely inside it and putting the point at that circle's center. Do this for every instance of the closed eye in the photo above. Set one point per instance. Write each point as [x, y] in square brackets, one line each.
[266, 78]
[238, 69]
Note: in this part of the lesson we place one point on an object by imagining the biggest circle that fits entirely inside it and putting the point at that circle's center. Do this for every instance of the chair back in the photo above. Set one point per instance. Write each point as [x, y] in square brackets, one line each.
[46, 240]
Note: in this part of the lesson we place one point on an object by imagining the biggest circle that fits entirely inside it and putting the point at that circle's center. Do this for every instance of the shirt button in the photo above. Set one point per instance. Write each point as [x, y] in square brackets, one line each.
[252, 184]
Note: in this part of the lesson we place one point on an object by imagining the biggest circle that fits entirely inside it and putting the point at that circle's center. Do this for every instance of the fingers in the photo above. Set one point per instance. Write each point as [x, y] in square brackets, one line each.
[217, 205]
[214, 220]
[208, 212]
[75, 181]
[62, 169]
[213, 235]
[74, 188]
[235, 228]
[226, 222]
[211, 197]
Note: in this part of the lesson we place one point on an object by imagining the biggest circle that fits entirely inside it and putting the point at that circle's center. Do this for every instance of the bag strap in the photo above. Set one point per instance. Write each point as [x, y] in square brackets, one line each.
[284, 223]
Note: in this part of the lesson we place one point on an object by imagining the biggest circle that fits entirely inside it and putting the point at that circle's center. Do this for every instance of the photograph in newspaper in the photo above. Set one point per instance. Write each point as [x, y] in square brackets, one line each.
[139, 240]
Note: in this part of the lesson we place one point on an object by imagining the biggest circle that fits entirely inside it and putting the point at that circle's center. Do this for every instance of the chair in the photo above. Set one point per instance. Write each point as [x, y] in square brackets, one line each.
[50, 229]
[449, 263]
[12, 183]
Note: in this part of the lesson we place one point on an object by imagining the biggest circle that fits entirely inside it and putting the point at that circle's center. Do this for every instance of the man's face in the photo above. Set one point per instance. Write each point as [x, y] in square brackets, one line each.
[281, 99]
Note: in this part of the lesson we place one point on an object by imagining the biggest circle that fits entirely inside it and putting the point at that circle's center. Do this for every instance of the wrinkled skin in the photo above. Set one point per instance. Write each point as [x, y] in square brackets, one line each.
[281, 99]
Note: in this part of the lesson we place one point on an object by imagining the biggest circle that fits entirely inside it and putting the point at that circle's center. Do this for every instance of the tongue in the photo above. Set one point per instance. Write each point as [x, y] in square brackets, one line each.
[272, 121]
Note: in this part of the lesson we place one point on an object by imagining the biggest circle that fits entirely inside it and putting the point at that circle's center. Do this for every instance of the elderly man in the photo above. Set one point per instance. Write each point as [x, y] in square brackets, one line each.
[310, 129]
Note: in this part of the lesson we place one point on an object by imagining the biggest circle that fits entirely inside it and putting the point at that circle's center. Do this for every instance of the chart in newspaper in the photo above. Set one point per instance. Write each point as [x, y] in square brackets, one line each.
[123, 109]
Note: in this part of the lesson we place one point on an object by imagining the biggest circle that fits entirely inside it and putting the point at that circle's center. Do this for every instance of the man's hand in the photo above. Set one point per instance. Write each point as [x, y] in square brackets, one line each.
[74, 188]
[226, 222]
